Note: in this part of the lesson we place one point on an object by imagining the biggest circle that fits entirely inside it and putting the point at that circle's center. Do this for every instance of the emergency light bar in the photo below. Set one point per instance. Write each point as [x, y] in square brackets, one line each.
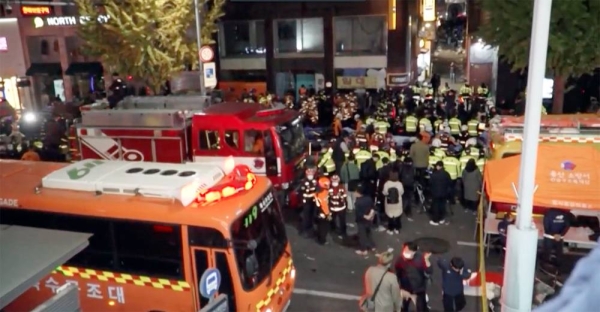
[240, 179]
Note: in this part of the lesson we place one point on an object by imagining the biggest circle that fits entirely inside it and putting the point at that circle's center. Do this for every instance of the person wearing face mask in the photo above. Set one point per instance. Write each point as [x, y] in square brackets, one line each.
[413, 270]
[337, 205]
[308, 189]
[454, 274]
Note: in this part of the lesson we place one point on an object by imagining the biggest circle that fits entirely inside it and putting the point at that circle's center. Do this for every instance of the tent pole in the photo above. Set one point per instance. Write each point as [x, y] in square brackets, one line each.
[523, 238]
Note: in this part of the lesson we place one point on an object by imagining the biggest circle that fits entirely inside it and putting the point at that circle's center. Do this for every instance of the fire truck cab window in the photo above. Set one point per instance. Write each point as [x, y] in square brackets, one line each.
[209, 140]
[232, 138]
[253, 142]
[149, 249]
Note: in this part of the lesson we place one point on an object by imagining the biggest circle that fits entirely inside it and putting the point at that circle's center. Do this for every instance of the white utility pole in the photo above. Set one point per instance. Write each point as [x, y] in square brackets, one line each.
[519, 272]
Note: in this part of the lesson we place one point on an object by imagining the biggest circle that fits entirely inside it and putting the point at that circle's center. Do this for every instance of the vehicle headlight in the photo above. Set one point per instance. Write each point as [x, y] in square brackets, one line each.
[285, 185]
[29, 117]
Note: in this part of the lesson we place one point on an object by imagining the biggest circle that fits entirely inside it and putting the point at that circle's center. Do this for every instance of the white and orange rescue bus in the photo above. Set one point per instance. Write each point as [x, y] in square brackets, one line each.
[156, 228]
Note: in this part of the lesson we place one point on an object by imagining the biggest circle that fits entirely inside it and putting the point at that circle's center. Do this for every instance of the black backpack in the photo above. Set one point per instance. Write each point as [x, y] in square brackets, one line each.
[393, 196]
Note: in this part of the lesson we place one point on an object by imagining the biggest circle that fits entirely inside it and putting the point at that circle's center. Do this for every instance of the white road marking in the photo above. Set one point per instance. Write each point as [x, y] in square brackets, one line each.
[472, 244]
[326, 294]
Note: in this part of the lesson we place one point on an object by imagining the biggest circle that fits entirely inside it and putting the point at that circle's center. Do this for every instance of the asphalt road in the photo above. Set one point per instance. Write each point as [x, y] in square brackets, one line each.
[329, 278]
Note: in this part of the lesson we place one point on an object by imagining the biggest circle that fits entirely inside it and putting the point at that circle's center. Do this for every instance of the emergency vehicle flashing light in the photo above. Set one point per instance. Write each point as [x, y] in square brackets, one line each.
[238, 180]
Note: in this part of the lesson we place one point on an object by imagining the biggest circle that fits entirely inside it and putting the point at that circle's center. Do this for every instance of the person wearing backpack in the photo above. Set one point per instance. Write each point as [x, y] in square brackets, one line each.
[382, 291]
[407, 177]
[392, 192]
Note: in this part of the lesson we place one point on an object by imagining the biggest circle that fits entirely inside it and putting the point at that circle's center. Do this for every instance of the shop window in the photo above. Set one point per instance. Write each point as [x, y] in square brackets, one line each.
[209, 140]
[232, 138]
[149, 249]
[253, 142]
[299, 35]
[242, 38]
[360, 35]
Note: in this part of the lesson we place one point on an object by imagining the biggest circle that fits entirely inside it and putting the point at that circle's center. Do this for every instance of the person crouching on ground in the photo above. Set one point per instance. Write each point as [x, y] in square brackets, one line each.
[382, 291]
[392, 192]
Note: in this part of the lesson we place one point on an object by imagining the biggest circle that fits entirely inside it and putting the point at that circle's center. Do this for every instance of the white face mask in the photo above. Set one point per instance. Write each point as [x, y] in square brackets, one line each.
[335, 184]
[408, 255]
[310, 177]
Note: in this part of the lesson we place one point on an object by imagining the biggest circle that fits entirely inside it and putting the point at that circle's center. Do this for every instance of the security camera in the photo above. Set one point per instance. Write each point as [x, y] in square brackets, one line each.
[8, 9]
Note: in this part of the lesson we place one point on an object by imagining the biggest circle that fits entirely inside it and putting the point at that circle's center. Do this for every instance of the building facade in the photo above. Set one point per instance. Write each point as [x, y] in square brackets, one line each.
[352, 44]
[49, 63]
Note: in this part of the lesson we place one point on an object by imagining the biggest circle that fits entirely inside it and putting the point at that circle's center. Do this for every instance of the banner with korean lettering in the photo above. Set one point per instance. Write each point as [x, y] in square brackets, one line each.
[346, 82]
[567, 177]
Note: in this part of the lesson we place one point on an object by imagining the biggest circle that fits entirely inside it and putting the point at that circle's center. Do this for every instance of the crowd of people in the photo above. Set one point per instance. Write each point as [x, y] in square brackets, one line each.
[418, 148]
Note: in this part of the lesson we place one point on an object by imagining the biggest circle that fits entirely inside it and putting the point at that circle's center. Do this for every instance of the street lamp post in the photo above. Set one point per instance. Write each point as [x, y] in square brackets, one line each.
[199, 44]
[519, 272]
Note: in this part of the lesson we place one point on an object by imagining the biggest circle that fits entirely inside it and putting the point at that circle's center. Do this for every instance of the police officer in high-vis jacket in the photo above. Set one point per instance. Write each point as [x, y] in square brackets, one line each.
[411, 124]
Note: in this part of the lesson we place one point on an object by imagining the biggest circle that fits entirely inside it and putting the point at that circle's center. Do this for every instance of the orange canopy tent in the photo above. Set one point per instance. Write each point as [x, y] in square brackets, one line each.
[567, 177]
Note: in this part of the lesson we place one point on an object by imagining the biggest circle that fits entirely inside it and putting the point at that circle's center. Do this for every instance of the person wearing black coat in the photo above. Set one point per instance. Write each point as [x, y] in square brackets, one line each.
[440, 186]
[369, 175]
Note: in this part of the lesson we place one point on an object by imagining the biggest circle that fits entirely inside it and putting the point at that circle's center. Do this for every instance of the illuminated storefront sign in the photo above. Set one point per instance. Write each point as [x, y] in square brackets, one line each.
[428, 11]
[28, 10]
[40, 22]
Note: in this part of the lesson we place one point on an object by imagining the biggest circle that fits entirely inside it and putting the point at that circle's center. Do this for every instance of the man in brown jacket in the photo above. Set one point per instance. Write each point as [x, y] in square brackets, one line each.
[419, 152]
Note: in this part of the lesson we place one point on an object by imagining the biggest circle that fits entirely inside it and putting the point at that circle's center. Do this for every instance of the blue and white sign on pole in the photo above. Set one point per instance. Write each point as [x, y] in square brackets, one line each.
[209, 283]
[210, 75]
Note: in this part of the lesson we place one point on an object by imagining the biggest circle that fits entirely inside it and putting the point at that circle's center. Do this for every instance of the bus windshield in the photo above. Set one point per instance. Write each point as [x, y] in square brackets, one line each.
[292, 139]
[262, 223]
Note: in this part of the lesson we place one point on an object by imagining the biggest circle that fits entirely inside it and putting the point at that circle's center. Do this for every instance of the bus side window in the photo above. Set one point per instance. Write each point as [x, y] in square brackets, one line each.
[100, 252]
[149, 249]
[201, 259]
[226, 278]
[232, 138]
[209, 140]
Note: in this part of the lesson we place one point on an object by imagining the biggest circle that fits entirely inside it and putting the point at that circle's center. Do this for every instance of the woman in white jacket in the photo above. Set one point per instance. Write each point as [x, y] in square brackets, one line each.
[393, 190]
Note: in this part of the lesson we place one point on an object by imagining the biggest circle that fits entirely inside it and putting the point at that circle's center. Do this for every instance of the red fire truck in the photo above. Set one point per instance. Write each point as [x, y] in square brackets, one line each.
[180, 129]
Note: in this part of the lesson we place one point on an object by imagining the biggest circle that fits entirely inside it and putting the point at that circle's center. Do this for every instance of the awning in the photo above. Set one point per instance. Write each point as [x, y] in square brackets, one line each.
[51, 69]
[94, 68]
[28, 254]
[567, 177]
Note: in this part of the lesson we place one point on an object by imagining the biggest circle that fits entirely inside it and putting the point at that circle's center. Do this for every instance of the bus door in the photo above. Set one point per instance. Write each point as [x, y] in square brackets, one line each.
[272, 167]
[202, 260]
[224, 262]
